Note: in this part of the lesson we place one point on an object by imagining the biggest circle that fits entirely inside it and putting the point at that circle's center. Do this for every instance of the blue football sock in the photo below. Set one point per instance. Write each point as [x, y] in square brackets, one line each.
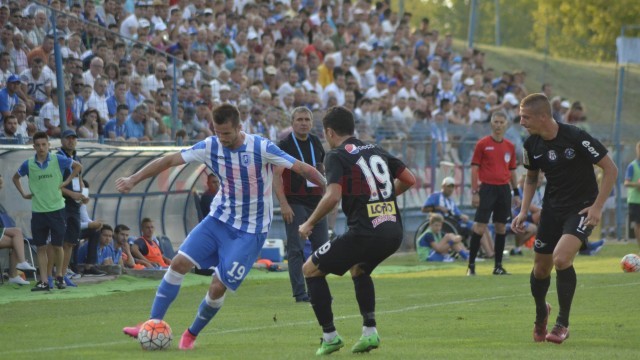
[464, 254]
[207, 310]
[167, 292]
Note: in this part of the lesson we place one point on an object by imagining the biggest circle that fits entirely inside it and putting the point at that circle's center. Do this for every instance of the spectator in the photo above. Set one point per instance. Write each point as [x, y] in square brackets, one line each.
[87, 257]
[115, 129]
[45, 173]
[121, 245]
[89, 125]
[25, 128]
[134, 95]
[35, 86]
[9, 96]
[98, 99]
[298, 198]
[137, 124]
[42, 52]
[147, 247]
[118, 98]
[49, 119]
[435, 245]
[106, 253]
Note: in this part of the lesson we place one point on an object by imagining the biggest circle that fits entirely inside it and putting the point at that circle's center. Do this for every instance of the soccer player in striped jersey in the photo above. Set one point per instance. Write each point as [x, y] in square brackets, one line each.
[231, 236]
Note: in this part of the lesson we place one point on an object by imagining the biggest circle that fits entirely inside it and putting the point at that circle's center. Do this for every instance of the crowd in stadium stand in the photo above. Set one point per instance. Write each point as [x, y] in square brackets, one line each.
[266, 57]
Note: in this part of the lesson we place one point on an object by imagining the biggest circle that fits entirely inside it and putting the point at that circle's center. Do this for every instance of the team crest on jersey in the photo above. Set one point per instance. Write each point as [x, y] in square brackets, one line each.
[507, 157]
[244, 159]
[351, 149]
[569, 153]
[552, 155]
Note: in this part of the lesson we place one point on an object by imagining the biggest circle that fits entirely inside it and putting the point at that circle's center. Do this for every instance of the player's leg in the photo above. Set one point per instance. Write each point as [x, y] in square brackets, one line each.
[71, 237]
[40, 232]
[501, 214]
[209, 307]
[540, 280]
[636, 230]
[483, 214]
[57, 225]
[366, 297]
[295, 254]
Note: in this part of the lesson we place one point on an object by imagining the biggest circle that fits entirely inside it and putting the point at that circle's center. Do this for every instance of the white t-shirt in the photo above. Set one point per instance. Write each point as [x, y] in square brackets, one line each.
[36, 87]
[130, 22]
[51, 112]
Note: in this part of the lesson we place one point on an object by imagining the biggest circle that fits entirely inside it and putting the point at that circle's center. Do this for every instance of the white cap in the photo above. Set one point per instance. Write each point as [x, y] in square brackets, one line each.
[365, 46]
[448, 181]
[225, 87]
[160, 26]
[143, 23]
[565, 104]
[469, 81]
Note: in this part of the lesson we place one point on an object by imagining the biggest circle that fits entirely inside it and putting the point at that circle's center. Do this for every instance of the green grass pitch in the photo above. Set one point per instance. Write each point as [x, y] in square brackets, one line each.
[424, 311]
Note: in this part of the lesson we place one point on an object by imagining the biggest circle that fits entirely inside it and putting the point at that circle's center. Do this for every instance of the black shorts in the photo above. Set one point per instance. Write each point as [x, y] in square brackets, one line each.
[496, 200]
[43, 224]
[554, 224]
[72, 233]
[634, 213]
[351, 248]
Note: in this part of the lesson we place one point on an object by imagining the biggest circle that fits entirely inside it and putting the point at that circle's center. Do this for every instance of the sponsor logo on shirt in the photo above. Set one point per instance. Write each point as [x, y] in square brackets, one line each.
[352, 149]
[384, 218]
[590, 148]
[569, 153]
[381, 208]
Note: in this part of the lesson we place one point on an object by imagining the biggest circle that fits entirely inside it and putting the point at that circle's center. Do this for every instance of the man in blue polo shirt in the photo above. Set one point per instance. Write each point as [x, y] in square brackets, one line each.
[9, 97]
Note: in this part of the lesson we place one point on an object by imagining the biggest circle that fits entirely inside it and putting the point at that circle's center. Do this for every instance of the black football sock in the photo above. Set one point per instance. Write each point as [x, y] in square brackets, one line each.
[321, 302]
[474, 247]
[566, 287]
[366, 296]
[499, 248]
[539, 288]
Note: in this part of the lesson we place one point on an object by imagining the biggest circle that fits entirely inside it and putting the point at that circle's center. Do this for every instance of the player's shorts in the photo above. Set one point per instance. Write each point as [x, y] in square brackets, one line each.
[340, 254]
[554, 224]
[634, 213]
[43, 224]
[232, 252]
[72, 233]
[494, 199]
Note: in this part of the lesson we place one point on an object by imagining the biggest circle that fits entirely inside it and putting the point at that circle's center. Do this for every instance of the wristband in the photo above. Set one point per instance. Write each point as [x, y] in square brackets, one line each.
[516, 192]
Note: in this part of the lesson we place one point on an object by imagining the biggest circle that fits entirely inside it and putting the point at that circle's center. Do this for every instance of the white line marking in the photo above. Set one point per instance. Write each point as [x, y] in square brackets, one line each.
[298, 323]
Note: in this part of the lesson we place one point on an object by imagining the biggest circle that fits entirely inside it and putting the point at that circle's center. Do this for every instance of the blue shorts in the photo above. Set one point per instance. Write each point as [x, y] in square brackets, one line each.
[232, 252]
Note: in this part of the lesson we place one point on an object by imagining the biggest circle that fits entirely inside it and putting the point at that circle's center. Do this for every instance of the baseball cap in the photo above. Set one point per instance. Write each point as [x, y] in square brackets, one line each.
[393, 82]
[67, 133]
[365, 46]
[271, 70]
[382, 79]
[13, 79]
[565, 104]
[225, 88]
[144, 23]
[469, 82]
[160, 26]
[448, 181]
[208, 11]
[201, 103]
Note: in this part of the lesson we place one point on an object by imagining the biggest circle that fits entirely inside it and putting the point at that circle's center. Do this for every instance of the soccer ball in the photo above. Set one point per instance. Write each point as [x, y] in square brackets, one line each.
[155, 335]
[630, 263]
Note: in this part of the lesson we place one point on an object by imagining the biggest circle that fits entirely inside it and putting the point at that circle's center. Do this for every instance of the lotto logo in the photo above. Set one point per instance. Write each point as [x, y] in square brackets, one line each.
[381, 208]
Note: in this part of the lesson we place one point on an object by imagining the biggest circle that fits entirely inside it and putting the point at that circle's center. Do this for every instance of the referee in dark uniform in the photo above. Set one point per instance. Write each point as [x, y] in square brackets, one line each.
[494, 165]
[572, 205]
[368, 179]
[299, 197]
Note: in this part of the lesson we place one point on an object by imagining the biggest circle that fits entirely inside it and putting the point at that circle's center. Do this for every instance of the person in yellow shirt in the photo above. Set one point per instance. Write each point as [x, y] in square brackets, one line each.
[325, 71]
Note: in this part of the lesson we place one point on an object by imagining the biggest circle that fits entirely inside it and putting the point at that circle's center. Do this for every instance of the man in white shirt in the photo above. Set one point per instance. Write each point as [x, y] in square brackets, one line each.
[98, 99]
[95, 70]
[336, 88]
[154, 82]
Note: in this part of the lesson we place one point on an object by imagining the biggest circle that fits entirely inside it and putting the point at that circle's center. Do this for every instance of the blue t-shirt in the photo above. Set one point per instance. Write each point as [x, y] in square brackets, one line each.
[7, 102]
[438, 199]
[133, 129]
[112, 127]
[107, 252]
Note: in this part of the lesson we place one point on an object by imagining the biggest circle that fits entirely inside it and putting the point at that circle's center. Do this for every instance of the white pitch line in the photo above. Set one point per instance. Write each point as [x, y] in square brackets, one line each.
[282, 325]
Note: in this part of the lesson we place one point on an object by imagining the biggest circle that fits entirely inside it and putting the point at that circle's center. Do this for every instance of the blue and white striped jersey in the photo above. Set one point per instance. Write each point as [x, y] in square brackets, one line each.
[244, 200]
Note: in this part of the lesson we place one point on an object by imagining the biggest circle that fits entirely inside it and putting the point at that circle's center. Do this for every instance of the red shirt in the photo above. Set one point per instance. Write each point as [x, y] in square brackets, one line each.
[495, 160]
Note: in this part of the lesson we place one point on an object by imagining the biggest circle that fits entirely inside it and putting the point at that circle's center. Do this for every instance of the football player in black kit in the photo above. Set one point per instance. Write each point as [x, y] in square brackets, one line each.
[368, 179]
[572, 205]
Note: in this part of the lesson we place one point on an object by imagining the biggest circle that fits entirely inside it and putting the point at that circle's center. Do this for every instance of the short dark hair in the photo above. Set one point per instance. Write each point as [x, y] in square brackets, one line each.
[145, 220]
[340, 120]
[106, 227]
[120, 228]
[40, 135]
[226, 113]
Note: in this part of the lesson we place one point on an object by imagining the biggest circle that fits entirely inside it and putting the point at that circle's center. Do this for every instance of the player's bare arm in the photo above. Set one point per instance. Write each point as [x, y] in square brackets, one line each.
[125, 184]
[16, 182]
[310, 173]
[278, 188]
[528, 189]
[328, 202]
[404, 181]
[609, 176]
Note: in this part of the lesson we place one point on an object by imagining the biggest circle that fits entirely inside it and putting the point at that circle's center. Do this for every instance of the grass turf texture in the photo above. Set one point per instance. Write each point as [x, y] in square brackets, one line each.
[423, 311]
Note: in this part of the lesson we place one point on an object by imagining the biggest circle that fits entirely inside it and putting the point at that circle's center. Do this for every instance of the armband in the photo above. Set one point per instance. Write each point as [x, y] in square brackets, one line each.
[516, 192]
